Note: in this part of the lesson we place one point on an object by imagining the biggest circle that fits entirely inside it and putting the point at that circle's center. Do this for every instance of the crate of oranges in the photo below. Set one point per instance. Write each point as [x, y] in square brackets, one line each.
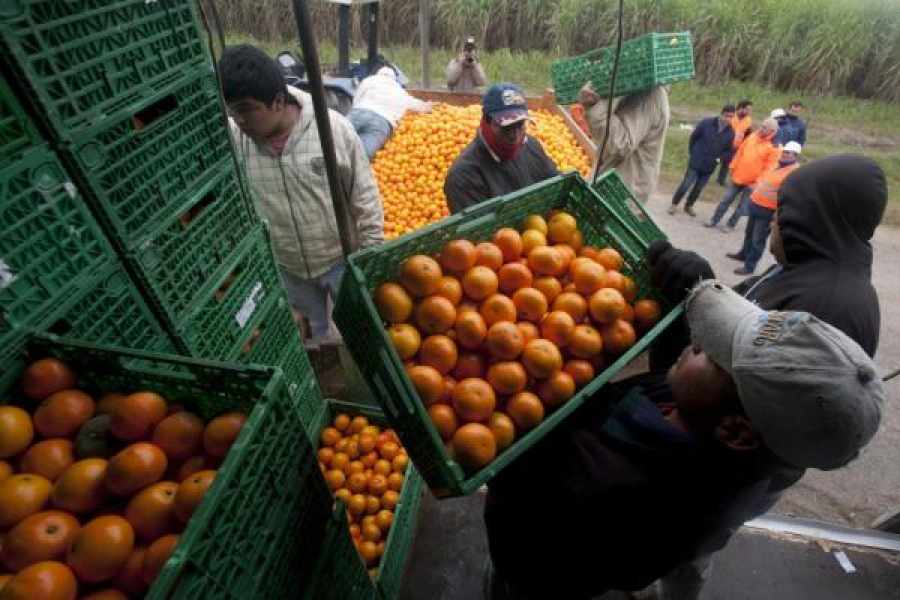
[479, 334]
[126, 474]
[378, 491]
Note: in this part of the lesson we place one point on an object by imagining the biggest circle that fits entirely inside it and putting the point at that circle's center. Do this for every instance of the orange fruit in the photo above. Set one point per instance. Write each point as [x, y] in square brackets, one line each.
[585, 342]
[556, 389]
[429, 383]
[180, 435]
[504, 431]
[510, 243]
[440, 352]
[190, 493]
[466, 306]
[474, 446]
[513, 276]
[449, 384]
[135, 415]
[369, 552]
[22, 495]
[16, 430]
[444, 420]
[107, 594]
[435, 314]
[48, 580]
[5, 470]
[504, 340]
[48, 458]
[507, 377]
[535, 222]
[221, 433]
[458, 256]
[371, 532]
[157, 554]
[610, 259]
[614, 280]
[646, 313]
[390, 498]
[629, 288]
[474, 400]
[488, 255]
[107, 403]
[342, 421]
[526, 411]
[357, 483]
[531, 239]
[561, 227]
[45, 377]
[496, 308]
[130, 577]
[546, 260]
[329, 436]
[587, 276]
[576, 241]
[606, 305]
[325, 455]
[590, 252]
[151, 511]
[335, 479]
[63, 413]
[384, 519]
[582, 371]
[420, 275]
[357, 504]
[531, 304]
[38, 537]
[529, 331]
[479, 282]
[541, 358]
[618, 336]
[377, 484]
[549, 286]
[469, 364]
[572, 303]
[134, 468]
[470, 329]
[81, 488]
[568, 255]
[358, 423]
[451, 289]
[628, 314]
[393, 302]
[101, 548]
[399, 464]
[558, 327]
[406, 339]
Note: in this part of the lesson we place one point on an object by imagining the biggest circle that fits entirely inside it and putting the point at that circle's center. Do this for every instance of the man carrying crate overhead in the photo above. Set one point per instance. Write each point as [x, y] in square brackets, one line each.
[636, 137]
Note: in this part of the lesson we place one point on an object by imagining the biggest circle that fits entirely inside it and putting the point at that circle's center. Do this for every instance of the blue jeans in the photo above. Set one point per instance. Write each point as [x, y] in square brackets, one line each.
[759, 219]
[311, 296]
[694, 178]
[373, 129]
[732, 192]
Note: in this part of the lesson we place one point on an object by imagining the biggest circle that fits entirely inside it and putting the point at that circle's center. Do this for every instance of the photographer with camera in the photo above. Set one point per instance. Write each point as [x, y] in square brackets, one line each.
[465, 73]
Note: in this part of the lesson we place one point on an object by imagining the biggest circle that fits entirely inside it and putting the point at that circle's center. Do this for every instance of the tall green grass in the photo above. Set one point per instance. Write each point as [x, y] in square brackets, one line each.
[823, 47]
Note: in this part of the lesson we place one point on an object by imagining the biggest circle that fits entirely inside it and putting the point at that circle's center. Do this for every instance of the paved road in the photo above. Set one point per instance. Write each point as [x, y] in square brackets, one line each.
[856, 494]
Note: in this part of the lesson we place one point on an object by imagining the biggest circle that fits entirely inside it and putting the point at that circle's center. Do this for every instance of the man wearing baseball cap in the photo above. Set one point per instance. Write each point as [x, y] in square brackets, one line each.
[502, 158]
[763, 201]
[654, 474]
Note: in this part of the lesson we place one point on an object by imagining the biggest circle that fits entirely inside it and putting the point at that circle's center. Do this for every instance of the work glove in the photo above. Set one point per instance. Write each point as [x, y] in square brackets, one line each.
[675, 272]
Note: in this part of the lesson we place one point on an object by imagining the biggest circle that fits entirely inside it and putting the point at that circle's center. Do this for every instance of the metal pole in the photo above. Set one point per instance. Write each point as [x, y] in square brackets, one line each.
[314, 73]
[343, 40]
[425, 39]
[373, 33]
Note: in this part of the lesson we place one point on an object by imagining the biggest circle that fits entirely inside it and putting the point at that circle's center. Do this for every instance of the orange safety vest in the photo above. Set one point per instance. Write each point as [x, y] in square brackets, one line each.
[765, 193]
[740, 126]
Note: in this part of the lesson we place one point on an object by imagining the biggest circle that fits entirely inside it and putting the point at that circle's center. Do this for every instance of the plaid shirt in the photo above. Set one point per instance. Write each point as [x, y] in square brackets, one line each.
[292, 194]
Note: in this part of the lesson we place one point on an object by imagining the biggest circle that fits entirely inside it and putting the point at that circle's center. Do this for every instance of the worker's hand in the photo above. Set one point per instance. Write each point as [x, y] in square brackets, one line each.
[675, 272]
[587, 97]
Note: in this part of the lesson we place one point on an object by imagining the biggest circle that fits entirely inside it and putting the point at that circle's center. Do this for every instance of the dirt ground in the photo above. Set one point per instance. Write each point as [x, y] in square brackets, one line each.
[870, 486]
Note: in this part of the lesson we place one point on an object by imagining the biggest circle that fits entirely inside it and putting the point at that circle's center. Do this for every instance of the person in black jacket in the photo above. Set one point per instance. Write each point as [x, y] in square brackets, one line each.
[709, 140]
[502, 158]
[658, 471]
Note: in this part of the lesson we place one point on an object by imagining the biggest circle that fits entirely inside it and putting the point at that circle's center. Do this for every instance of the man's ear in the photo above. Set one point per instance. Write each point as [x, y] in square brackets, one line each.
[737, 433]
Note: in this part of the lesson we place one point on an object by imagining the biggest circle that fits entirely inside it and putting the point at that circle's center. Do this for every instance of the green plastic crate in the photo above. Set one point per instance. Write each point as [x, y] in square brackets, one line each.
[613, 190]
[261, 525]
[17, 133]
[179, 261]
[645, 62]
[144, 167]
[602, 223]
[50, 243]
[340, 572]
[85, 61]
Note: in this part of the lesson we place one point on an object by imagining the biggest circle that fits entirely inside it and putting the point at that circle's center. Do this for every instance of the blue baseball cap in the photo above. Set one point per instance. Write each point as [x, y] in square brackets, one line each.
[504, 103]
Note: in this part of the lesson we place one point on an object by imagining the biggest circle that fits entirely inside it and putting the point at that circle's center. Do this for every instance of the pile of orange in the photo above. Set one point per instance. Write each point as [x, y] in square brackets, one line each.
[365, 467]
[497, 334]
[94, 494]
[412, 166]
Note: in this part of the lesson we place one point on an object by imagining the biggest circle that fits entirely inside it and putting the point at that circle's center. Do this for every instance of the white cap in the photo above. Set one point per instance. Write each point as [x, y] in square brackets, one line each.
[778, 112]
[794, 147]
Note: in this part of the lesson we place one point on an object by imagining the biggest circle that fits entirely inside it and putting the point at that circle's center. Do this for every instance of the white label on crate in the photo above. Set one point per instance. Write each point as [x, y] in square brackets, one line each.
[6, 274]
[249, 305]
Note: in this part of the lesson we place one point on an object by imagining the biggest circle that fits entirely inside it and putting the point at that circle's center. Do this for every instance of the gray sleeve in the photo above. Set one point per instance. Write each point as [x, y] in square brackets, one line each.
[365, 202]
[463, 188]
[478, 74]
[454, 72]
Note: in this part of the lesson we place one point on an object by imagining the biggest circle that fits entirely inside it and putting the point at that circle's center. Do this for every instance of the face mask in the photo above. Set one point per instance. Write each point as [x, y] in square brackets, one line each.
[500, 147]
[786, 161]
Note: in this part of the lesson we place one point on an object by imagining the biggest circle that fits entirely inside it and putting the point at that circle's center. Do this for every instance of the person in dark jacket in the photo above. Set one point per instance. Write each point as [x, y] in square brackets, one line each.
[654, 472]
[502, 158]
[709, 140]
[742, 125]
[791, 127]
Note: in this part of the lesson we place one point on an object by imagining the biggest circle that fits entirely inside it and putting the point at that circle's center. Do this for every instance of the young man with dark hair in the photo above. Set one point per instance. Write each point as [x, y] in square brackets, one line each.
[709, 140]
[742, 124]
[277, 139]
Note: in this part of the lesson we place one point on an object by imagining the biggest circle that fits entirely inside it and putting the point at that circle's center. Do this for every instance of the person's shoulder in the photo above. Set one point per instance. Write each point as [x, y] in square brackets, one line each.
[468, 160]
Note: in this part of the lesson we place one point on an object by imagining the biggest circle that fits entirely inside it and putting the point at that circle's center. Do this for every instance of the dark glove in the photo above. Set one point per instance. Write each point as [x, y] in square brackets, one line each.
[676, 271]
